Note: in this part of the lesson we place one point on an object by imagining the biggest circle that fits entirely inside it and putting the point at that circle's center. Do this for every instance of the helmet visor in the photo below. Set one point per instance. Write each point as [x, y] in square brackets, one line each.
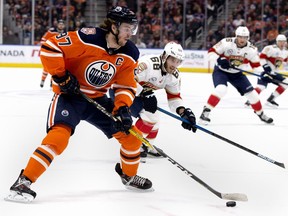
[128, 28]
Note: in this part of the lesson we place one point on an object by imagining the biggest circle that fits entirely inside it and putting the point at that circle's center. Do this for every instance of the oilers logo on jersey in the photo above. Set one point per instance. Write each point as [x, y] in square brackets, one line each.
[99, 73]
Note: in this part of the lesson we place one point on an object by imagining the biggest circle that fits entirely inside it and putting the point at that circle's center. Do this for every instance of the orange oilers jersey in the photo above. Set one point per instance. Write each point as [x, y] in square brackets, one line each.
[84, 53]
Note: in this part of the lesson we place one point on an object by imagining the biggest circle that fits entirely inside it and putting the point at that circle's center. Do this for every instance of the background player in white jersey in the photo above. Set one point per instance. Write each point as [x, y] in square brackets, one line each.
[233, 54]
[272, 58]
[159, 72]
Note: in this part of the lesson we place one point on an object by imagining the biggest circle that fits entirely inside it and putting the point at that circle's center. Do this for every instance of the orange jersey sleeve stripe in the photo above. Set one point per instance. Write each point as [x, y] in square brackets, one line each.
[51, 113]
[123, 97]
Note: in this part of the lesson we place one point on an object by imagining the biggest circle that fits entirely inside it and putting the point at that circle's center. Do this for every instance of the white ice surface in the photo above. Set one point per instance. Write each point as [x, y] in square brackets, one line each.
[83, 181]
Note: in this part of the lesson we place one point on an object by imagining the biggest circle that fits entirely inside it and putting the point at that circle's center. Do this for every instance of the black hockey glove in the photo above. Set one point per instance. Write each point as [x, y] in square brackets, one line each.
[124, 119]
[266, 77]
[223, 63]
[149, 101]
[67, 83]
[188, 115]
[267, 68]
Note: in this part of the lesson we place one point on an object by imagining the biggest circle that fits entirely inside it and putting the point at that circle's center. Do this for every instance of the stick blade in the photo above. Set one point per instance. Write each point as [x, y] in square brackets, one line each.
[234, 196]
[281, 165]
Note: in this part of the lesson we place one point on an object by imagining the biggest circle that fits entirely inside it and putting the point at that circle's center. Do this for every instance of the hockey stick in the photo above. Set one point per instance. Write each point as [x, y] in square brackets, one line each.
[285, 75]
[272, 80]
[225, 139]
[226, 196]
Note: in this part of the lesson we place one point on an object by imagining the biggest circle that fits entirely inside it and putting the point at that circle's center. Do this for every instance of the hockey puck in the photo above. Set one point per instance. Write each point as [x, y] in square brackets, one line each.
[231, 204]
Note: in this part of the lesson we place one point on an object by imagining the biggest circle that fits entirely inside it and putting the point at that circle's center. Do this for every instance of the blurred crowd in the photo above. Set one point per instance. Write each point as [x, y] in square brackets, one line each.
[150, 21]
[21, 11]
[157, 27]
[254, 22]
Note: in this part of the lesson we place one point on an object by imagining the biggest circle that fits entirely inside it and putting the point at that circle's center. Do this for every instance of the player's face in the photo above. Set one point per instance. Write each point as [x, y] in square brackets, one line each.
[125, 32]
[241, 41]
[281, 44]
[60, 26]
[171, 64]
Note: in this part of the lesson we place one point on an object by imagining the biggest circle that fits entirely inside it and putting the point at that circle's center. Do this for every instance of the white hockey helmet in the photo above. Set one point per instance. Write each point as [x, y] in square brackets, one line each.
[281, 37]
[242, 31]
[173, 49]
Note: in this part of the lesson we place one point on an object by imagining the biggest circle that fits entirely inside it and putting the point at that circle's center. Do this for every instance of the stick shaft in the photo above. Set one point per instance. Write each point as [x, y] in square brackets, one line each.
[225, 139]
[285, 75]
[273, 80]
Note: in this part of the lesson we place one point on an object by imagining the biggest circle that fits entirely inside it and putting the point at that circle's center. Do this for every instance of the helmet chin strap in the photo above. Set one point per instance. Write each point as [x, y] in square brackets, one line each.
[111, 50]
[163, 69]
[116, 35]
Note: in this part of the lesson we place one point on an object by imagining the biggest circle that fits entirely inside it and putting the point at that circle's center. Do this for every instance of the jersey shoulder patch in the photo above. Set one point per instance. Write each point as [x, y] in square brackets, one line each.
[88, 31]
[92, 35]
[142, 66]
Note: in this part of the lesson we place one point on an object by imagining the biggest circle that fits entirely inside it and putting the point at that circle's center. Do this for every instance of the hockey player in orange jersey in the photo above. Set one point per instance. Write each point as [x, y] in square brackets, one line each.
[89, 60]
[50, 33]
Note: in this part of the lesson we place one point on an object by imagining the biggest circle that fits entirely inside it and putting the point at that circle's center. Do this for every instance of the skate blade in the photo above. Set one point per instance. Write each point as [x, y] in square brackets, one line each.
[14, 197]
[269, 123]
[271, 105]
[203, 122]
[150, 156]
[139, 190]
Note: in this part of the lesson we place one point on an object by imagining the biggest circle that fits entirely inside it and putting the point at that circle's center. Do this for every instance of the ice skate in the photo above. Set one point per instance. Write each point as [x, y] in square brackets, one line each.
[204, 118]
[271, 102]
[265, 118]
[136, 182]
[20, 191]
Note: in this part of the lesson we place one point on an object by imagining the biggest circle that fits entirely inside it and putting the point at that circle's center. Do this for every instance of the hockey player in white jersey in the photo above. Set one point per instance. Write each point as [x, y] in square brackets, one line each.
[159, 72]
[272, 58]
[233, 54]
